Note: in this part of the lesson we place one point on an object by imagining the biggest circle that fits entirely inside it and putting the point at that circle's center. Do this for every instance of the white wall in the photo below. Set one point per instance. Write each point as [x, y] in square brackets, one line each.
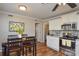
[4, 25]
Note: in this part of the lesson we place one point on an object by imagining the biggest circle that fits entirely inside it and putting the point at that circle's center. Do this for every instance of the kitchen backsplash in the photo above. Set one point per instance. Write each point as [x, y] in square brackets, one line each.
[60, 32]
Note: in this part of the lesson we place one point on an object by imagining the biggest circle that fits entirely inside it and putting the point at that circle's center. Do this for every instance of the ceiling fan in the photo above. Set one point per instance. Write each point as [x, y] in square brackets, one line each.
[72, 5]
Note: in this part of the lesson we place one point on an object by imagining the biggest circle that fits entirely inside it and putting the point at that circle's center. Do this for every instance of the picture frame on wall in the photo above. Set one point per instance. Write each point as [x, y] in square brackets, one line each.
[13, 26]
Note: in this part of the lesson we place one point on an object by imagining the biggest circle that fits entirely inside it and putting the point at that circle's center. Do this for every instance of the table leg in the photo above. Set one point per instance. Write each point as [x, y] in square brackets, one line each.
[22, 51]
[3, 51]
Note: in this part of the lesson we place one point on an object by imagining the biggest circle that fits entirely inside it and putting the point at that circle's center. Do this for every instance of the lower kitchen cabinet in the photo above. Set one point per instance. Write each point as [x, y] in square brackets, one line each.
[53, 42]
[77, 48]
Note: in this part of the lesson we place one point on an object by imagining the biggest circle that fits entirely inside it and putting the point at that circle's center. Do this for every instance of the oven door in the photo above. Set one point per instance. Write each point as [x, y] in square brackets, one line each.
[71, 46]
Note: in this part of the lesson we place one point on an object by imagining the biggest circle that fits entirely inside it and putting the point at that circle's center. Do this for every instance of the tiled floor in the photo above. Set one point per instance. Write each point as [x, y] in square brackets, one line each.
[43, 50]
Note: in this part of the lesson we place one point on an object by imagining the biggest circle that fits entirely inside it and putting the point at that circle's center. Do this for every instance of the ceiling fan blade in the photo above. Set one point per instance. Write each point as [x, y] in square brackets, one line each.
[55, 7]
[72, 5]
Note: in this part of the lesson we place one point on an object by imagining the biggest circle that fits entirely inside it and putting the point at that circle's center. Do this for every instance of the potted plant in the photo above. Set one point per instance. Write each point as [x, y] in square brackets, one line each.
[19, 30]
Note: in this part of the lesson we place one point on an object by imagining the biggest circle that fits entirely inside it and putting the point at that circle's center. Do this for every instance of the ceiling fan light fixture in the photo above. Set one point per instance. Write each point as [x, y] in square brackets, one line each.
[22, 7]
[61, 4]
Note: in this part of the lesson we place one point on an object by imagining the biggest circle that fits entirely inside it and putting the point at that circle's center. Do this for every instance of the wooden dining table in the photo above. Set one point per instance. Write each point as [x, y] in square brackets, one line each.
[5, 45]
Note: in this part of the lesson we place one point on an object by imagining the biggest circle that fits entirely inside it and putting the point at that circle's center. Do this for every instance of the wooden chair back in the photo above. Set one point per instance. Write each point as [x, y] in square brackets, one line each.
[14, 44]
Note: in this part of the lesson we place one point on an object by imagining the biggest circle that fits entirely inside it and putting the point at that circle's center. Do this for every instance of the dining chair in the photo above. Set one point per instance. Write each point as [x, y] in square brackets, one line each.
[29, 46]
[14, 45]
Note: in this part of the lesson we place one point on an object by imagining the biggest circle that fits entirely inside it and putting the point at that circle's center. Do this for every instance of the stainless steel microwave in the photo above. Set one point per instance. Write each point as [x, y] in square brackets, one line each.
[72, 26]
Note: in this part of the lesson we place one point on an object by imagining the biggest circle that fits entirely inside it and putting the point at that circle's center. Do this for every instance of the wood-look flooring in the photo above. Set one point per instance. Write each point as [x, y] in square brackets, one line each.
[43, 50]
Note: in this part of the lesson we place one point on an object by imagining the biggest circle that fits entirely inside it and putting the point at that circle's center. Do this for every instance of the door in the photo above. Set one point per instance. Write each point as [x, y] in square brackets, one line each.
[46, 31]
[38, 32]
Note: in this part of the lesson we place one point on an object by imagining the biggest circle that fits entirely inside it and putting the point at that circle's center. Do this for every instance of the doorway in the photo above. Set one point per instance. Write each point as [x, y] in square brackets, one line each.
[46, 31]
[38, 32]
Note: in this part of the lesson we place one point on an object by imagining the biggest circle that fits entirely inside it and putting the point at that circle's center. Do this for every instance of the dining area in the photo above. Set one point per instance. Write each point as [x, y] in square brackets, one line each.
[16, 46]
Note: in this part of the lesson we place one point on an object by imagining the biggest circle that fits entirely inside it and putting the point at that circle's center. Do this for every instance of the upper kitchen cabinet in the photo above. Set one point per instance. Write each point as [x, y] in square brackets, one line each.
[70, 18]
[50, 25]
[55, 24]
[77, 19]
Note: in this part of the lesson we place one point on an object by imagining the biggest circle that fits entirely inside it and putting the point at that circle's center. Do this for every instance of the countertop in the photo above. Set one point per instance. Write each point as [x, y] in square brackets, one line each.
[53, 35]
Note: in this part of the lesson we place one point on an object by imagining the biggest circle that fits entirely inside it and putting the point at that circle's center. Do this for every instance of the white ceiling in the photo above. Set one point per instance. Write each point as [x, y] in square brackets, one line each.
[37, 10]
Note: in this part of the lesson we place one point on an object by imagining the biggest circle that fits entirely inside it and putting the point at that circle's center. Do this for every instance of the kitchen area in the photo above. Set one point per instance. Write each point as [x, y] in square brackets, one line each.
[64, 34]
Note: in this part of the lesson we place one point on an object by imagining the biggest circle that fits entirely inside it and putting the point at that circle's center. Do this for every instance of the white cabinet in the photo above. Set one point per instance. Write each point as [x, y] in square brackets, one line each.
[53, 42]
[50, 25]
[55, 24]
[77, 20]
[77, 48]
